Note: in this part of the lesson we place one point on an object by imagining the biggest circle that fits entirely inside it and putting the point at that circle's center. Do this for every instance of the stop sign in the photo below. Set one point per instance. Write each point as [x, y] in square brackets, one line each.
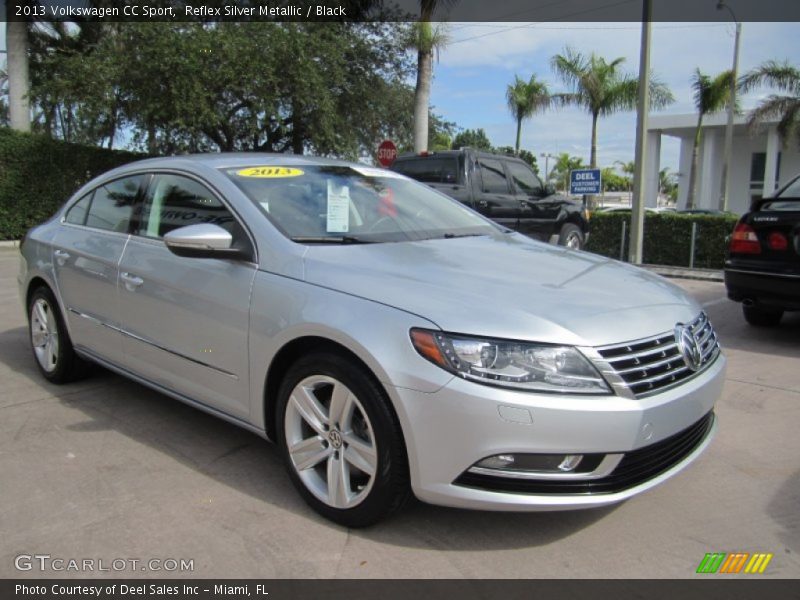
[387, 152]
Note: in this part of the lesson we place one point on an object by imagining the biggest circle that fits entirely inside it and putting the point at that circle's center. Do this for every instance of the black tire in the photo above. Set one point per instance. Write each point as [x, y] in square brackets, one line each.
[571, 236]
[388, 487]
[67, 365]
[760, 316]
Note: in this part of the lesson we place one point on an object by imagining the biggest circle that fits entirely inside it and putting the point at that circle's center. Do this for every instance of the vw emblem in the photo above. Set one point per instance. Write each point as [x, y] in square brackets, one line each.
[335, 438]
[688, 347]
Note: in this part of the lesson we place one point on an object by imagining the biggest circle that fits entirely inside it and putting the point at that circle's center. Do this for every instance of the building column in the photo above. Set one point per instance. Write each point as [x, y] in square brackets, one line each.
[771, 165]
[709, 175]
[684, 168]
[652, 163]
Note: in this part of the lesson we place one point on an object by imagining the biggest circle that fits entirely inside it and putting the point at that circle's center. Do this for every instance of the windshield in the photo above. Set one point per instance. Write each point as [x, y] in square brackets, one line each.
[333, 204]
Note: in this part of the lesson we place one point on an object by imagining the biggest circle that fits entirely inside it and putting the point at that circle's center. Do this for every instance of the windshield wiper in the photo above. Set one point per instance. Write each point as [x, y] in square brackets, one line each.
[334, 239]
[449, 236]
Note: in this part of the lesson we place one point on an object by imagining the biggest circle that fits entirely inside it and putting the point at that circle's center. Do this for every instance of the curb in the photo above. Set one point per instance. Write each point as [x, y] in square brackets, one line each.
[8, 244]
[686, 273]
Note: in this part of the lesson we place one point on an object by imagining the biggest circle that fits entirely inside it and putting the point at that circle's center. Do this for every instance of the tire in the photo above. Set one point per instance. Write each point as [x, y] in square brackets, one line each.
[571, 236]
[50, 341]
[363, 447]
[762, 317]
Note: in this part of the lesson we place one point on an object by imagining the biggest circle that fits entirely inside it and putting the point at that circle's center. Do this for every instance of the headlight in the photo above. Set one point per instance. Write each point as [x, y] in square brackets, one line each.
[503, 363]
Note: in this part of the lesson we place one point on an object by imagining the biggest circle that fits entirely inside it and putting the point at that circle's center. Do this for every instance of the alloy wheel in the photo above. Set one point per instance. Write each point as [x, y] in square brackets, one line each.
[330, 441]
[44, 334]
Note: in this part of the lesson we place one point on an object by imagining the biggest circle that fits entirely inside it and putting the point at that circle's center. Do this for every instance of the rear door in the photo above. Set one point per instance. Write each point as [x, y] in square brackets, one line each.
[494, 196]
[185, 320]
[86, 254]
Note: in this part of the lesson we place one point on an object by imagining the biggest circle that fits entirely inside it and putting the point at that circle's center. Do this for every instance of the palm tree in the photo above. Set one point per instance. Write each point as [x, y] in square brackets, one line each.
[426, 39]
[710, 95]
[786, 107]
[19, 107]
[525, 99]
[563, 165]
[602, 88]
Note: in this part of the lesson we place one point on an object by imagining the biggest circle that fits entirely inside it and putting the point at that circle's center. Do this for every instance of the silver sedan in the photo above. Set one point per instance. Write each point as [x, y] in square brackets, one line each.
[389, 340]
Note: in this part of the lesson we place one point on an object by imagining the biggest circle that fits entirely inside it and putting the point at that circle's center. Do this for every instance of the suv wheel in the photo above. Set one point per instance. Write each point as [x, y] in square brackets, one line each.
[571, 236]
[50, 341]
[341, 441]
[762, 317]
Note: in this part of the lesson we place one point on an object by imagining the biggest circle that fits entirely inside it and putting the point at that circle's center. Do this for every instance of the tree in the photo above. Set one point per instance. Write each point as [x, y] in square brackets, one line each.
[526, 98]
[18, 71]
[328, 88]
[563, 165]
[628, 169]
[601, 88]
[472, 138]
[784, 107]
[426, 40]
[710, 95]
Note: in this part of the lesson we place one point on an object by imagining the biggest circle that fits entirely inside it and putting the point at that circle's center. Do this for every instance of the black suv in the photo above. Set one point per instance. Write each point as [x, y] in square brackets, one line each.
[503, 188]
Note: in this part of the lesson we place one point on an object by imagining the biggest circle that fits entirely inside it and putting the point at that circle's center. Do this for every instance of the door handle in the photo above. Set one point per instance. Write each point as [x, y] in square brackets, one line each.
[131, 281]
[61, 257]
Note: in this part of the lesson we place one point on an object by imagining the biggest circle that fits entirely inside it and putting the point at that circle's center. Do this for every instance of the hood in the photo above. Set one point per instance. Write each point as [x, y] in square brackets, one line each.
[506, 286]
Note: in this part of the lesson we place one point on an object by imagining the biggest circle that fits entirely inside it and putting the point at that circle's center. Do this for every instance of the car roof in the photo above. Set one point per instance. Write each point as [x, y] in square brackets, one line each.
[460, 151]
[235, 159]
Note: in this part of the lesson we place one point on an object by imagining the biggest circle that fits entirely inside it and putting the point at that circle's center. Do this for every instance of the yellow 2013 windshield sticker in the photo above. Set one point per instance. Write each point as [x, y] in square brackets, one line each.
[268, 172]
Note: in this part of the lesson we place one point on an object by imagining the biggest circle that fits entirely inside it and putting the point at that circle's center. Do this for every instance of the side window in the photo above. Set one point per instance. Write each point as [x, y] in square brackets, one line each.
[112, 205]
[524, 179]
[173, 201]
[77, 212]
[494, 178]
[430, 170]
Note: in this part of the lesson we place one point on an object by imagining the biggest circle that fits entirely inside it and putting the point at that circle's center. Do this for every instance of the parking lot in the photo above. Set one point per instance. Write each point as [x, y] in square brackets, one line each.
[108, 469]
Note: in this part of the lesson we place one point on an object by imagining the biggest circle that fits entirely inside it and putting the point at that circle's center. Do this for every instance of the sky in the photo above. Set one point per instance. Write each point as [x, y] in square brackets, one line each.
[474, 70]
[481, 59]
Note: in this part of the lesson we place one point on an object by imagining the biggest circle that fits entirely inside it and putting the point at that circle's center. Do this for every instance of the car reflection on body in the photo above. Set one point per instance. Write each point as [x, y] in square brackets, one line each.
[389, 340]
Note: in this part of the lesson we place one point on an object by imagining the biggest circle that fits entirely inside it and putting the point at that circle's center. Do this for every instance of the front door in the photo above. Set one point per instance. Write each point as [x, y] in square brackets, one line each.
[494, 196]
[185, 320]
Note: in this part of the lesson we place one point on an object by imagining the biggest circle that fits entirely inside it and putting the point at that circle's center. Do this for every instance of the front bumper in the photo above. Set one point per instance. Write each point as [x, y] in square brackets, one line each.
[450, 430]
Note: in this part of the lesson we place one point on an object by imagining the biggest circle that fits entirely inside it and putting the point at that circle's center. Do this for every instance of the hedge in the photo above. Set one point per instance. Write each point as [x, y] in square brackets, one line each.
[37, 174]
[667, 238]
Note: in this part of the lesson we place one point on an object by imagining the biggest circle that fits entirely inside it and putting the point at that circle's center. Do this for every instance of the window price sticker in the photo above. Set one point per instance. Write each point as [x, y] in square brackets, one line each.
[338, 208]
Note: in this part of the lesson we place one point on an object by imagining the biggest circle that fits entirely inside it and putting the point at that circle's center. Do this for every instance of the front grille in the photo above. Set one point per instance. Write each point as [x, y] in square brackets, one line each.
[635, 468]
[652, 364]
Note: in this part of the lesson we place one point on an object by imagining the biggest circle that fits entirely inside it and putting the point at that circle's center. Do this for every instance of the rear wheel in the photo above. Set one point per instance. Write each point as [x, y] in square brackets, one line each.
[340, 441]
[761, 316]
[571, 236]
[52, 347]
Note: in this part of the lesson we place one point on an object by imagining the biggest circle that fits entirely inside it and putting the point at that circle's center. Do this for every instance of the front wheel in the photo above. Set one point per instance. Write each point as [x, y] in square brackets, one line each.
[340, 441]
[571, 236]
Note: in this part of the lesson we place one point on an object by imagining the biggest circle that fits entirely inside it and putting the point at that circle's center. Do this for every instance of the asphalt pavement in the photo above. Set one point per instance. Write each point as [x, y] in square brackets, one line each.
[106, 470]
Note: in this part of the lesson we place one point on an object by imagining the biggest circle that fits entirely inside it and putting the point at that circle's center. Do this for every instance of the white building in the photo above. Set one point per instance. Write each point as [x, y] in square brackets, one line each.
[760, 164]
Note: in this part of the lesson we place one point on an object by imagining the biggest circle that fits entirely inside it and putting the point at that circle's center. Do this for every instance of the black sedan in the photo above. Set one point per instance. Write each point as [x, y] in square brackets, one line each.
[762, 268]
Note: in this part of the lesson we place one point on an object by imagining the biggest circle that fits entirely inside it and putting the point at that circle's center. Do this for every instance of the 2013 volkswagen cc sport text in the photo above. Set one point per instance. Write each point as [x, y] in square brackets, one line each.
[388, 339]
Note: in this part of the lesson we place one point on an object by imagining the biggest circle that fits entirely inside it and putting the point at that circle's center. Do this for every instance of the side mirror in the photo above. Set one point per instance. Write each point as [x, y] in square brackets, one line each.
[205, 240]
[548, 190]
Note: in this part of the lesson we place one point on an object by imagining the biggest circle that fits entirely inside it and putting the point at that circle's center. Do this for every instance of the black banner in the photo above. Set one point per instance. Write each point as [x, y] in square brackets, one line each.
[402, 10]
[392, 589]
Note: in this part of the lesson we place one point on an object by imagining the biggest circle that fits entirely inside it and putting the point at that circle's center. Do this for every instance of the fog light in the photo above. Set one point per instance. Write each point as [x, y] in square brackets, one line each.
[570, 462]
[501, 461]
[539, 463]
